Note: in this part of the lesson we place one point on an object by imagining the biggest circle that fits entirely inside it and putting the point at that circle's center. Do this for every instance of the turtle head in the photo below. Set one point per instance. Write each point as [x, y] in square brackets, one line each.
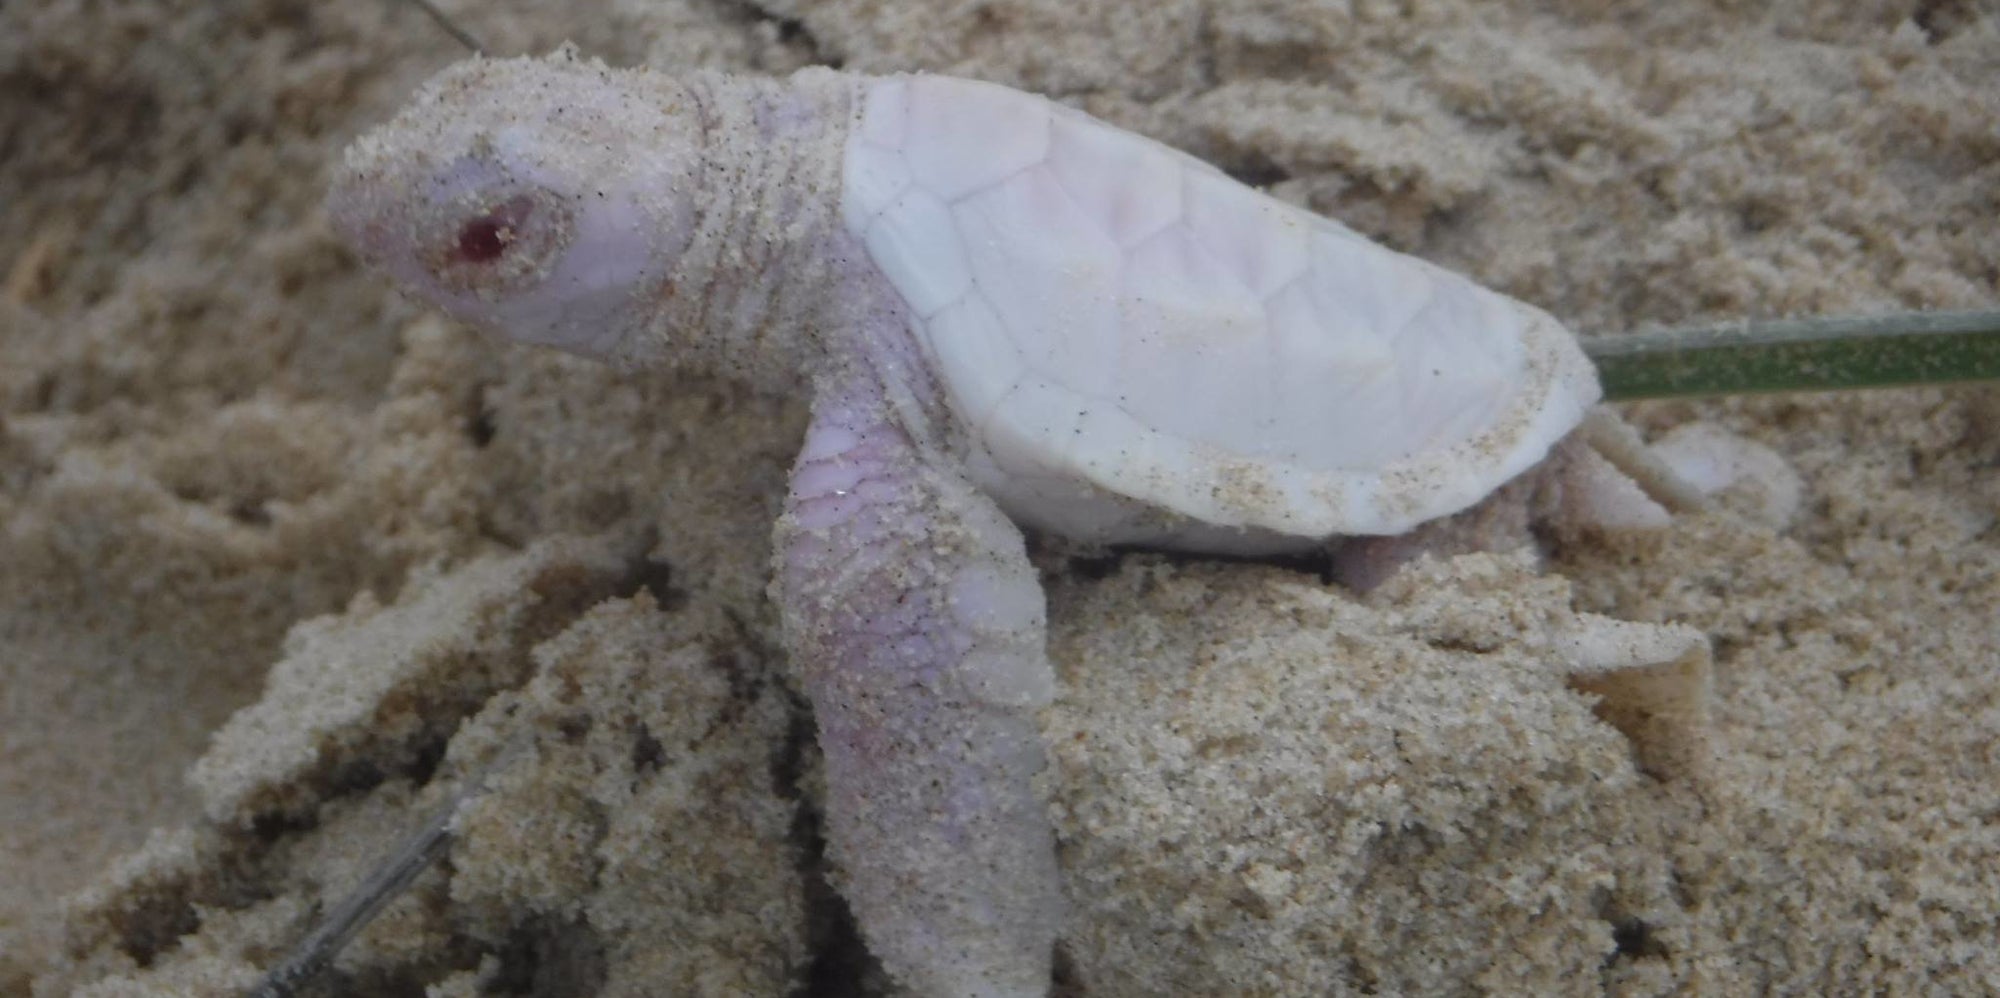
[542, 199]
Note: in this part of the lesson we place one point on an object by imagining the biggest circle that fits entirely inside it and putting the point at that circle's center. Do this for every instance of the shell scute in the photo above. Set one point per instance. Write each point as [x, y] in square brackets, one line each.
[1260, 242]
[875, 179]
[963, 136]
[1118, 180]
[1034, 429]
[977, 359]
[916, 244]
[885, 115]
[1196, 336]
[1029, 217]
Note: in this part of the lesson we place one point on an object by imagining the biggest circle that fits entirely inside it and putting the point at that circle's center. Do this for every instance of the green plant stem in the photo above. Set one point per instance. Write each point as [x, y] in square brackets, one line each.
[1794, 355]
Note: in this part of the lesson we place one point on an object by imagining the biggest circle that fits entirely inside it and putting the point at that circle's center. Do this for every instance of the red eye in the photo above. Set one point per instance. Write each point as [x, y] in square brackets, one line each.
[495, 245]
[483, 239]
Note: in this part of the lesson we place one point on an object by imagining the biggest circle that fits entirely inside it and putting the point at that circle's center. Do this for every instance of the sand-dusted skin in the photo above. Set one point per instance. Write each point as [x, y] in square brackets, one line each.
[1004, 312]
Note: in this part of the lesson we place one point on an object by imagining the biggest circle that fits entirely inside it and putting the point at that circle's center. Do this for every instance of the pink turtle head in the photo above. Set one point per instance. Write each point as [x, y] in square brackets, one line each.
[507, 195]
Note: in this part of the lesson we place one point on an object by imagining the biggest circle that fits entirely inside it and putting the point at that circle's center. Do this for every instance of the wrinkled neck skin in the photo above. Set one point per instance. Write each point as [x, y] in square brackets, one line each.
[772, 289]
[758, 267]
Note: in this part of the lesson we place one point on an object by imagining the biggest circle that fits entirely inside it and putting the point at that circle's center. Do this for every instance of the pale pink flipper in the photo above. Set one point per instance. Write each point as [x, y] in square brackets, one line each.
[917, 626]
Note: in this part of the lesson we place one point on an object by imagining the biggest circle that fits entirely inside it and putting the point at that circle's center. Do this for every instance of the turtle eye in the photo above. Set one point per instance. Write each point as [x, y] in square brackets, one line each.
[499, 244]
[485, 237]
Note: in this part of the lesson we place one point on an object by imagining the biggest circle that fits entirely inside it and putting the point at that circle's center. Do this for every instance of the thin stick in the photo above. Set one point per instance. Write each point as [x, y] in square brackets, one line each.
[317, 950]
[450, 28]
[1793, 355]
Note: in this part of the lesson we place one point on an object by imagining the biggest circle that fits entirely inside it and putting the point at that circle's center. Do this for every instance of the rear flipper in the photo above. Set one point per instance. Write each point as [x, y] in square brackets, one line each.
[917, 626]
[1603, 477]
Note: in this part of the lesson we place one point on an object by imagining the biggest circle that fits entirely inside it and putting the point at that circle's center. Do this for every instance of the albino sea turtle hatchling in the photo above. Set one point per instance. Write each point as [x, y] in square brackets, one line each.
[1004, 312]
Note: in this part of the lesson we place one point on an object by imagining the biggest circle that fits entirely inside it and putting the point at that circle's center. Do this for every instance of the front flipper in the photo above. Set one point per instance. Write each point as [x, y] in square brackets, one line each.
[917, 627]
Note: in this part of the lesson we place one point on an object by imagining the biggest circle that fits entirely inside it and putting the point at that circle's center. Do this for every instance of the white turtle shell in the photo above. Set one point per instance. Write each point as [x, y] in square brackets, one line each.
[1109, 315]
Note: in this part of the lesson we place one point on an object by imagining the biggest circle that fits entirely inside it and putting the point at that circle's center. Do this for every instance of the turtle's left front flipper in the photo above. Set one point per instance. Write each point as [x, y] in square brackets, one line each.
[917, 626]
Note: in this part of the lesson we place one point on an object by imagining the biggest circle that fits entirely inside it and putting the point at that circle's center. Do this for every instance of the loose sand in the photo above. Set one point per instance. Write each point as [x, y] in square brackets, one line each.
[286, 563]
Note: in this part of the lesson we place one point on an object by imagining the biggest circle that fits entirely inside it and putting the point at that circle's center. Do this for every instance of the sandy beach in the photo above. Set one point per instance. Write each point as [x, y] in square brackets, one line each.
[287, 563]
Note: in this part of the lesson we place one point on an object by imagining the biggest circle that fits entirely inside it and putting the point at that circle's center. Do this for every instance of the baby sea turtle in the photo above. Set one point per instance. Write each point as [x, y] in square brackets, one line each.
[1004, 312]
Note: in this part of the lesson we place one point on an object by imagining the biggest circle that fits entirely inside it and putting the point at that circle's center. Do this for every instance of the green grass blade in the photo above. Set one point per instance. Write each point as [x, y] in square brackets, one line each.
[1797, 355]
